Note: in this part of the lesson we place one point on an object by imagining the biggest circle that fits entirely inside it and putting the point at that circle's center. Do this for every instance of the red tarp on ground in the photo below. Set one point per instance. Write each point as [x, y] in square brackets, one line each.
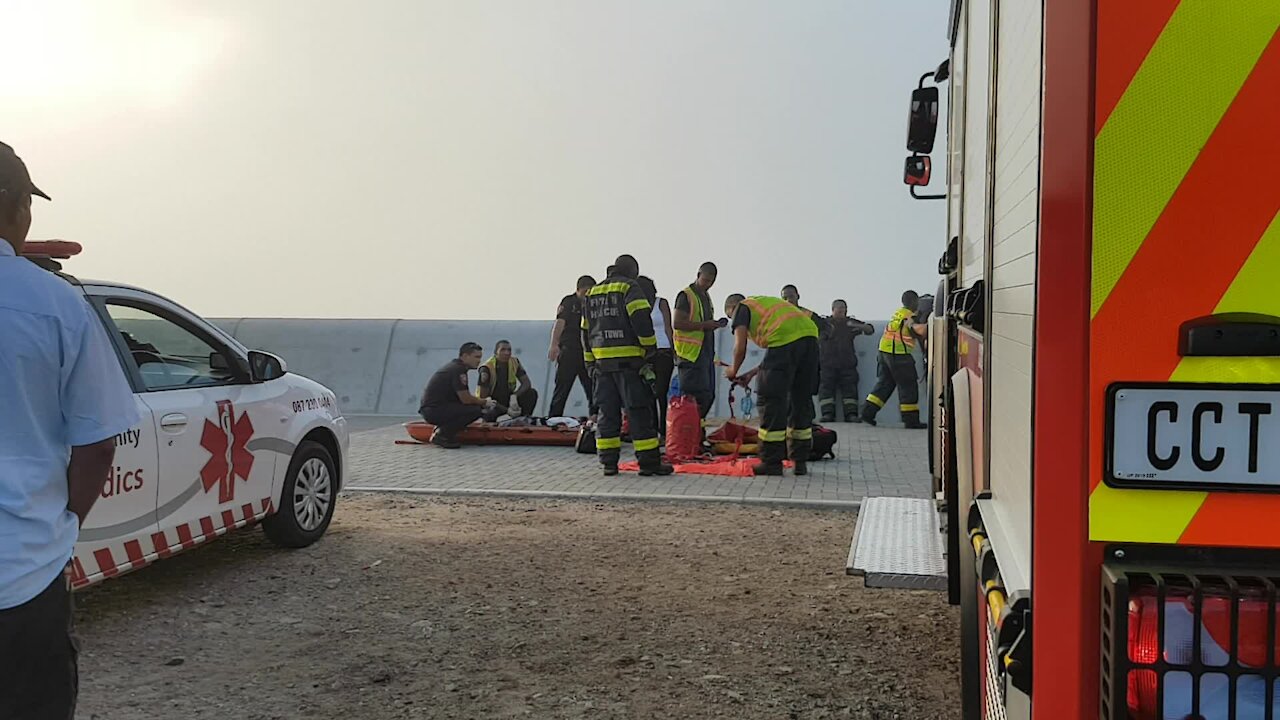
[727, 465]
[494, 435]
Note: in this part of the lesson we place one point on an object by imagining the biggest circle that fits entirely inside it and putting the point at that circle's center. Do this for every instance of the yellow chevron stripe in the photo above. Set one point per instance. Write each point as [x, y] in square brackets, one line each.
[1161, 517]
[1166, 115]
[1253, 290]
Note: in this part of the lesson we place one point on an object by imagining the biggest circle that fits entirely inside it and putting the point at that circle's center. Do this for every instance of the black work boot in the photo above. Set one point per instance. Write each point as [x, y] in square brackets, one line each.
[911, 420]
[771, 455]
[800, 450]
[444, 440]
[828, 418]
[651, 464]
[851, 414]
[869, 411]
[609, 461]
[660, 469]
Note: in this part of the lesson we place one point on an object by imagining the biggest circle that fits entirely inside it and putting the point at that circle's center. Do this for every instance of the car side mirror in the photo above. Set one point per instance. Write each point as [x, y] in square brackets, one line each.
[264, 367]
[917, 170]
[922, 124]
[222, 363]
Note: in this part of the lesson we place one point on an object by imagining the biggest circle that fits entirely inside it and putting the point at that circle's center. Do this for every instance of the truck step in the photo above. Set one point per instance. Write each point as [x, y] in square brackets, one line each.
[897, 544]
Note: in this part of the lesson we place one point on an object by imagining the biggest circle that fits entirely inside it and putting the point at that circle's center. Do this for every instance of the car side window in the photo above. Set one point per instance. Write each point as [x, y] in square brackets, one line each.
[168, 355]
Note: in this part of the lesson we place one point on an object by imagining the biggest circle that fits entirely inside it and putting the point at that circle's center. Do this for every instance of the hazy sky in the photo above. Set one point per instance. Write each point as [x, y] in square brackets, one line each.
[445, 159]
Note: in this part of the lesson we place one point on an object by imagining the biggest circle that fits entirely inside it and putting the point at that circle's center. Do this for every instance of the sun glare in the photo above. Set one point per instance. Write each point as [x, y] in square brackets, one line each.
[73, 52]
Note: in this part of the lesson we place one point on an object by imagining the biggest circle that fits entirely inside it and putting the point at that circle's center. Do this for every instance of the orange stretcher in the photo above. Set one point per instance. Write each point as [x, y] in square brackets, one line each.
[494, 435]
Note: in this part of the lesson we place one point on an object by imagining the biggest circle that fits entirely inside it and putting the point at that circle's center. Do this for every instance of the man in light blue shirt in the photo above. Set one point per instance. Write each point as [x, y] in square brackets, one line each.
[63, 397]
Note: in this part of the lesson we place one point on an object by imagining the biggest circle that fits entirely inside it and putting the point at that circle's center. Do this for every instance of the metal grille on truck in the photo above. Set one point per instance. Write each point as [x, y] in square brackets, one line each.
[1188, 644]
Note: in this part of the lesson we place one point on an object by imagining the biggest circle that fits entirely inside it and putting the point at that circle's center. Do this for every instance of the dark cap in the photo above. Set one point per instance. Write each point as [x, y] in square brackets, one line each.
[14, 175]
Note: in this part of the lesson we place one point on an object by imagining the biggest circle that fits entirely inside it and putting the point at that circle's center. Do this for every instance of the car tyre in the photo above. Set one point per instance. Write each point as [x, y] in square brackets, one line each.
[309, 497]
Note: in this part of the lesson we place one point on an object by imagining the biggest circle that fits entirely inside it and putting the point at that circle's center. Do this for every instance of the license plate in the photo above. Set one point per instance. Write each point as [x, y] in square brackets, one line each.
[1190, 436]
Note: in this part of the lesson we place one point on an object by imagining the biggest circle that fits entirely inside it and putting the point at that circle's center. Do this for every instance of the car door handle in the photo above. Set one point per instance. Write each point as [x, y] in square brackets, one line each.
[173, 422]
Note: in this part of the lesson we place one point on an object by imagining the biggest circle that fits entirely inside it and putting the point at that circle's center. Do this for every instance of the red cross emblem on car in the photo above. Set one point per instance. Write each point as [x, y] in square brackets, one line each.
[228, 457]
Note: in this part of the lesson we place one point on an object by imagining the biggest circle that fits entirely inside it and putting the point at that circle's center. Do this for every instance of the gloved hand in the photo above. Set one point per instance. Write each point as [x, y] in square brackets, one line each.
[514, 410]
[649, 377]
[490, 403]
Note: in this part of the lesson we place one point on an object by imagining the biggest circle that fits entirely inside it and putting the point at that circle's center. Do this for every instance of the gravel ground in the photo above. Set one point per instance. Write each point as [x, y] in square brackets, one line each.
[415, 607]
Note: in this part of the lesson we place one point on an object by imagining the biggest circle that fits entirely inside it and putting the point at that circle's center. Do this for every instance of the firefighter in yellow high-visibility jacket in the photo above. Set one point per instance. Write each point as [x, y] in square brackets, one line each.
[788, 374]
[896, 366]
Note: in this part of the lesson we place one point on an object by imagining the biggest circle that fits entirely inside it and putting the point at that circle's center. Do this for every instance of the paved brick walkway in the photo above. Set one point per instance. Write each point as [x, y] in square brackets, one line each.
[870, 462]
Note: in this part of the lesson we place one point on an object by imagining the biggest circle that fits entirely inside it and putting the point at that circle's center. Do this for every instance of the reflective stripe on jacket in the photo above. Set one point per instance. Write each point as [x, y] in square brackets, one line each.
[776, 322]
[897, 338]
[617, 324]
[513, 373]
[688, 343]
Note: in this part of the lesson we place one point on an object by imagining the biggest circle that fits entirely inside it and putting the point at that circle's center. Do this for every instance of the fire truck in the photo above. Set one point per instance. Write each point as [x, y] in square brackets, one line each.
[1105, 368]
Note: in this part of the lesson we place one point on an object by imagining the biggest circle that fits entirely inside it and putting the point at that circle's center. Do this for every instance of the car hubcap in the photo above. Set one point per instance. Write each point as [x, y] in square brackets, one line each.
[312, 494]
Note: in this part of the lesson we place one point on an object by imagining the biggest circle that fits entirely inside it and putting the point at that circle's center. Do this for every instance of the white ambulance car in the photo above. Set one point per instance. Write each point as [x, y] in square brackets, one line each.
[228, 437]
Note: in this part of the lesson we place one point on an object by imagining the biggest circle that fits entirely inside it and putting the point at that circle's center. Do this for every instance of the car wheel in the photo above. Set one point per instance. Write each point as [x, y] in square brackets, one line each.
[306, 505]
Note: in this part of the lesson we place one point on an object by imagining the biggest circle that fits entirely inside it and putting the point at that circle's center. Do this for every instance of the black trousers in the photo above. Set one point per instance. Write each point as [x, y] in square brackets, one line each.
[894, 371]
[838, 379]
[39, 677]
[664, 366]
[570, 367]
[527, 400]
[619, 391]
[449, 419]
[786, 400]
[698, 379]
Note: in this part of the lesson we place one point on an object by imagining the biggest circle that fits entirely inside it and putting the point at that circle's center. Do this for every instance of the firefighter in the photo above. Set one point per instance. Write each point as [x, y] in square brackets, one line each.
[566, 349]
[618, 342]
[839, 363]
[896, 366]
[790, 339]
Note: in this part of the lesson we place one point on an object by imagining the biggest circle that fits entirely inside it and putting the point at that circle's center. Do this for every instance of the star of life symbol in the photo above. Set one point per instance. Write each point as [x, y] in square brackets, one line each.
[228, 457]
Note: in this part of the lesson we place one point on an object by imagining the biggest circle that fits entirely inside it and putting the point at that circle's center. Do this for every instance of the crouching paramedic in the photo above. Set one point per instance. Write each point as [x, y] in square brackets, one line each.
[896, 366]
[503, 378]
[617, 339]
[446, 401]
[790, 340]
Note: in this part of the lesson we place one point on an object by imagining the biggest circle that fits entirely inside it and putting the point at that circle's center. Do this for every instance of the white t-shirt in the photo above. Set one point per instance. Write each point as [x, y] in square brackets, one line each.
[660, 325]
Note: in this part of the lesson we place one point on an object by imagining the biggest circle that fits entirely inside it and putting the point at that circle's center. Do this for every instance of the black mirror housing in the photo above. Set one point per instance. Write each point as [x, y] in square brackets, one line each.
[922, 124]
[265, 367]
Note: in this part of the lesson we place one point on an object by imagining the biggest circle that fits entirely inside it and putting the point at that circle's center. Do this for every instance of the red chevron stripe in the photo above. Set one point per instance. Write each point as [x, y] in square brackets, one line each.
[1127, 30]
[1210, 213]
[161, 544]
[106, 563]
[184, 536]
[133, 549]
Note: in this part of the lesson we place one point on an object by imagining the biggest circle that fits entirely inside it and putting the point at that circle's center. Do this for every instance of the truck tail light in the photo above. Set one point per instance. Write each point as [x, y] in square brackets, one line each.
[1179, 644]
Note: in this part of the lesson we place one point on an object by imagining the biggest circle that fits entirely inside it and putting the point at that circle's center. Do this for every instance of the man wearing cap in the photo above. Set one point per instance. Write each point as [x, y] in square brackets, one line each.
[63, 398]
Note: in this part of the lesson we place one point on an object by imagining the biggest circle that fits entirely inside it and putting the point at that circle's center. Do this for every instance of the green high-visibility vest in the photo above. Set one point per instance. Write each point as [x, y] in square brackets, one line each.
[688, 343]
[776, 322]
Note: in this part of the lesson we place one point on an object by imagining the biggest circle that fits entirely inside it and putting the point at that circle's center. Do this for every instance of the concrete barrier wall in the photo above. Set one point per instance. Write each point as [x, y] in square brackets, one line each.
[381, 366]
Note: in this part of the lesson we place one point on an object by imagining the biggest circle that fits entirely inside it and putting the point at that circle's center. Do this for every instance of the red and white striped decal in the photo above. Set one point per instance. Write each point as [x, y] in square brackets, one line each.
[187, 535]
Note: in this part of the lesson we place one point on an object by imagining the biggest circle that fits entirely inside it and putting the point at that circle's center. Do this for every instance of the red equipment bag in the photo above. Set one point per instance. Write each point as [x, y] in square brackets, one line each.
[684, 429]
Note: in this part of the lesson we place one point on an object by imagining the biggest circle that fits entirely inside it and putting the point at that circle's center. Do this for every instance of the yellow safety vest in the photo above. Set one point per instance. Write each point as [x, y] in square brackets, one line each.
[776, 322]
[897, 338]
[513, 372]
[688, 343]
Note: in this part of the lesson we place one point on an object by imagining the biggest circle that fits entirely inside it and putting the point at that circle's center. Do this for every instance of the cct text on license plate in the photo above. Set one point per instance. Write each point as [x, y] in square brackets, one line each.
[1195, 435]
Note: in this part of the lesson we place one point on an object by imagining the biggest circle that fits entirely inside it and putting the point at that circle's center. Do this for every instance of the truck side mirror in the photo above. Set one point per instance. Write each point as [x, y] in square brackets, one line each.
[917, 170]
[922, 126]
